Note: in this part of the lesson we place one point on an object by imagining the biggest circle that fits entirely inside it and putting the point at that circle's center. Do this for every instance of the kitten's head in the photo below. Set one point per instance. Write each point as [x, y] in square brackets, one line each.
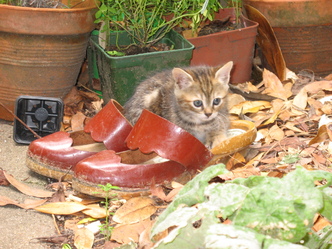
[201, 92]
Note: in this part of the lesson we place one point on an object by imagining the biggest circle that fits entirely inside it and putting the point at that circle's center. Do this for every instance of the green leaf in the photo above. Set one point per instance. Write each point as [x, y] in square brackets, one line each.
[280, 244]
[103, 8]
[290, 158]
[231, 237]
[190, 236]
[327, 208]
[266, 211]
[116, 53]
[282, 208]
[192, 193]
[225, 198]
[178, 218]
[320, 240]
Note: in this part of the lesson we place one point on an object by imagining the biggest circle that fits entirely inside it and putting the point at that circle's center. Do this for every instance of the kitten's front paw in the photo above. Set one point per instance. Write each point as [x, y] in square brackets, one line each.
[217, 140]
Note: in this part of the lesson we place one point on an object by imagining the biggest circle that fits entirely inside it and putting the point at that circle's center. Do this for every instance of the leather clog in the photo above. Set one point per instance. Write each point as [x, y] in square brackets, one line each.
[160, 152]
[56, 155]
[241, 134]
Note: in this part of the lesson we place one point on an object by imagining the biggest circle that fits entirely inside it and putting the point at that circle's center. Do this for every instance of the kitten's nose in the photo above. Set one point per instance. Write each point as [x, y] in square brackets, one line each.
[208, 114]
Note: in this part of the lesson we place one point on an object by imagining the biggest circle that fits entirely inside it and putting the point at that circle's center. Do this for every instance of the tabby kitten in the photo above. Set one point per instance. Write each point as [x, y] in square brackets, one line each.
[194, 98]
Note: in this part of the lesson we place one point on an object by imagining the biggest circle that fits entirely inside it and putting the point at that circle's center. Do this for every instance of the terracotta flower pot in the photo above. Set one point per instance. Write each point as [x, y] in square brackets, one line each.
[304, 31]
[234, 45]
[42, 50]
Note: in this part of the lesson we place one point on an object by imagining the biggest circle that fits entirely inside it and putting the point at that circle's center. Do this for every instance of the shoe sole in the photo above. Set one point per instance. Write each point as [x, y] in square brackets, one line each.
[47, 170]
[95, 190]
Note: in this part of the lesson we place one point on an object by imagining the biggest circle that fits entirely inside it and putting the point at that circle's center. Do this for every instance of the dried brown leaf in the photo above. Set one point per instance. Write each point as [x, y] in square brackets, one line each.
[25, 189]
[234, 99]
[301, 99]
[235, 159]
[158, 191]
[61, 239]
[250, 107]
[274, 87]
[83, 238]
[268, 42]
[28, 204]
[77, 121]
[322, 135]
[3, 180]
[62, 208]
[276, 133]
[317, 86]
[124, 233]
[320, 223]
[172, 194]
[135, 210]
[95, 211]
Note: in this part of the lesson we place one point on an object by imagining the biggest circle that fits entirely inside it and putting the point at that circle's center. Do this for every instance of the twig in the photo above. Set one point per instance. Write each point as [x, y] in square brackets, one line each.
[32, 131]
[88, 89]
[56, 225]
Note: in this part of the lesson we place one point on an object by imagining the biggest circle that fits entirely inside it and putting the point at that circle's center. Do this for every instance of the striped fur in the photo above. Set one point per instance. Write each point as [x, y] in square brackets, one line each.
[194, 98]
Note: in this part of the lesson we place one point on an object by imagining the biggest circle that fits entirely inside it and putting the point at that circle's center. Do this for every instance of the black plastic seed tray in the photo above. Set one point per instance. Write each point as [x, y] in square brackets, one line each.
[43, 115]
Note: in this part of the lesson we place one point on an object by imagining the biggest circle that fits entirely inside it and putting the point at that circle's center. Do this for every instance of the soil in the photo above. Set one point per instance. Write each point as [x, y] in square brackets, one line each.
[218, 26]
[135, 49]
[213, 27]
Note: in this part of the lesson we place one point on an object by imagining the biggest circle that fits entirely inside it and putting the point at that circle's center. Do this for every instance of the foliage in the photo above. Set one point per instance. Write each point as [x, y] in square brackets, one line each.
[105, 228]
[264, 212]
[147, 21]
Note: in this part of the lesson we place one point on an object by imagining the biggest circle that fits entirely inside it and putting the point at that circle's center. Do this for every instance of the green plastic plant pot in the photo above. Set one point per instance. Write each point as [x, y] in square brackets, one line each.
[119, 76]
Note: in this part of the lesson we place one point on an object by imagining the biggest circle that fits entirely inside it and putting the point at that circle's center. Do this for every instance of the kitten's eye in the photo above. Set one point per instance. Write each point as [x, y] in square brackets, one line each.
[216, 101]
[198, 103]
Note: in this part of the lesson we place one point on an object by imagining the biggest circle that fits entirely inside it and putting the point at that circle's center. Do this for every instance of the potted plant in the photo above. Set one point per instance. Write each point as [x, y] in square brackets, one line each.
[42, 49]
[303, 30]
[229, 37]
[145, 25]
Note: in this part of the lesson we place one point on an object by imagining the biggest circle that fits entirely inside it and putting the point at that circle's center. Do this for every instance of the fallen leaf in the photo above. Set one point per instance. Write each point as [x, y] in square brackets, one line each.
[83, 238]
[124, 233]
[3, 180]
[235, 159]
[274, 87]
[327, 108]
[62, 208]
[301, 99]
[135, 210]
[234, 99]
[322, 134]
[144, 240]
[77, 121]
[61, 239]
[320, 223]
[276, 133]
[71, 224]
[158, 192]
[245, 172]
[111, 245]
[172, 194]
[28, 204]
[250, 107]
[268, 42]
[317, 86]
[25, 189]
[95, 211]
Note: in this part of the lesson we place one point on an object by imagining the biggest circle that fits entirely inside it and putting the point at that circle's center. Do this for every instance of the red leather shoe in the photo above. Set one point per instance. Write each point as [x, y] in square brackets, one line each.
[56, 155]
[160, 153]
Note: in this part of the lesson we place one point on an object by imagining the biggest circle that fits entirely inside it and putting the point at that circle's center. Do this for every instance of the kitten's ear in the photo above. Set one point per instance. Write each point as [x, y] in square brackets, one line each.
[223, 74]
[182, 78]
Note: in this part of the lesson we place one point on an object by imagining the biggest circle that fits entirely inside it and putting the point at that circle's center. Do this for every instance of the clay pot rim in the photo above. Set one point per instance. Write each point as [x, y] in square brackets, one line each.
[20, 8]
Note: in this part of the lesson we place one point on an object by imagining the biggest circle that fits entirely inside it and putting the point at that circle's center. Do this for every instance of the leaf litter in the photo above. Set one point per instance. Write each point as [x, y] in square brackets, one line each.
[294, 128]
